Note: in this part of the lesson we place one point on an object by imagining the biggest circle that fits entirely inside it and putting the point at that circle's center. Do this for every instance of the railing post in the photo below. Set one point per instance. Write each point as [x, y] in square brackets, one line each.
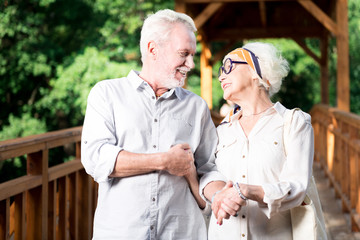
[37, 217]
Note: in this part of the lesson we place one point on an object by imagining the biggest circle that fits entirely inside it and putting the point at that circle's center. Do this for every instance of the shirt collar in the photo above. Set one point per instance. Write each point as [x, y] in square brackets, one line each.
[236, 113]
[137, 82]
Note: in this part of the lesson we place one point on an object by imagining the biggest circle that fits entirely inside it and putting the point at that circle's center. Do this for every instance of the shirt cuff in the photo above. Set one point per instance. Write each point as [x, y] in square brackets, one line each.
[206, 179]
[105, 166]
[274, 195]
[207, 210]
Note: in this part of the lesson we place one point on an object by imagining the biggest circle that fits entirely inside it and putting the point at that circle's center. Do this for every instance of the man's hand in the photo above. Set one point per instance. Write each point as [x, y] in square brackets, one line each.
[179, 160]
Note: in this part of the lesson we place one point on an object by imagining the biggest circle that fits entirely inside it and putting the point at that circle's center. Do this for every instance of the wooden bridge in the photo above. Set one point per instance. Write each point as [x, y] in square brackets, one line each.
[58, 202]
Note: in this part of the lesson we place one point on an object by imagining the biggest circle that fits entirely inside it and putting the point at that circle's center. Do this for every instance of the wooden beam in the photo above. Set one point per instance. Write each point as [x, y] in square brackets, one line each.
[307, 50]
[324, 69]
[219, 55]
[262, 8]
[206, 14]
[206, 73]
[225, 1]
[225, 34]
[180, 6]
[342, 45]
[322, 17]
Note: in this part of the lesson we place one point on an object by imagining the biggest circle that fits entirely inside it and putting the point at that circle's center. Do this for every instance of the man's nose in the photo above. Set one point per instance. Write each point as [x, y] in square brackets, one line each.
[190, 62]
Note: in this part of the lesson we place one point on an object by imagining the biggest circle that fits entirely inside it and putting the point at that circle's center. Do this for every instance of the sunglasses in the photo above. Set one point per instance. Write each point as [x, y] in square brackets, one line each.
[228, 66]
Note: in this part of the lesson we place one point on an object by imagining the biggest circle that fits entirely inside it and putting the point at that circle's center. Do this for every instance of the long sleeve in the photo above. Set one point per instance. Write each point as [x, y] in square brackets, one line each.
[98, 148]
[290, 190]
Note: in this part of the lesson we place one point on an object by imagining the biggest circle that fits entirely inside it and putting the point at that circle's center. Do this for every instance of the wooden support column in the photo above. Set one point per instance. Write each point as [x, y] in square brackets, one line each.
[324, 69]
[180, 6]
[206, 73]
[342, 44]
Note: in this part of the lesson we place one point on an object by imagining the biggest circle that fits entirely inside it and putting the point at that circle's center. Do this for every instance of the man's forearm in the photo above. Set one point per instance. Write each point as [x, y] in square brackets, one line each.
[130, 164]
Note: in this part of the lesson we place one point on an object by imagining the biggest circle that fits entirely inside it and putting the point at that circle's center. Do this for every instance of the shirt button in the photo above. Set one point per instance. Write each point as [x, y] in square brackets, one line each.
[85, 142]
[151, 227]
[275, 143]
[155, 120]
[243, 216]
[154, 146]
[243, 176]
[153, 97]
[243, 156]
[153, 199]
[243, 235]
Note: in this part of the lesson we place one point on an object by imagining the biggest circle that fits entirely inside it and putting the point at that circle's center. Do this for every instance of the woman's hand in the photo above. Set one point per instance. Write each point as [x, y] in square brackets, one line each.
[226, 203]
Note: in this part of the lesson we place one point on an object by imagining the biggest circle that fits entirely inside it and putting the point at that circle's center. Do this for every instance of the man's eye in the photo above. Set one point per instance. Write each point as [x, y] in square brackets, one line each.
[184, 54]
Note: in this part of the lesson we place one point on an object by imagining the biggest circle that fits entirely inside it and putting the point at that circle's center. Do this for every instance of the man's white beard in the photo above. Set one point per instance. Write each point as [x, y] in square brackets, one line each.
[171, 81]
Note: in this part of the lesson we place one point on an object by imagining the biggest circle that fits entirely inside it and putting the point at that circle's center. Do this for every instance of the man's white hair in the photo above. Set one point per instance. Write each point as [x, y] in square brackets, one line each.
[157, 27]
[274, 68]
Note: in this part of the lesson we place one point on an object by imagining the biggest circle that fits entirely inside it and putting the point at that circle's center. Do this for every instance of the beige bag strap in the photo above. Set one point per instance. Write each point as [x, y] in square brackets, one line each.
[312, 196]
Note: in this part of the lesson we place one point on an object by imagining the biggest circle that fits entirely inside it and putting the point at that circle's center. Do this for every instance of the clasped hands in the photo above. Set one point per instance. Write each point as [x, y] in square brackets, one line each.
[227, 203]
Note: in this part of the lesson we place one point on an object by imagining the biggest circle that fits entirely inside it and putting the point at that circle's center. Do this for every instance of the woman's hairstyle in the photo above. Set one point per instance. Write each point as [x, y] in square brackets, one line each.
[274, 68]
[158, 26]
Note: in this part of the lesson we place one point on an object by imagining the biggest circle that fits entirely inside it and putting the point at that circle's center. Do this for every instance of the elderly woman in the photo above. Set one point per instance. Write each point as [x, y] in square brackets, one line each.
[251, 151]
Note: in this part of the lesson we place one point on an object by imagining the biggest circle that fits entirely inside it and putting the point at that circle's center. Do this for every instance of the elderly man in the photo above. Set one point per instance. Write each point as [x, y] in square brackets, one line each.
[146, 140]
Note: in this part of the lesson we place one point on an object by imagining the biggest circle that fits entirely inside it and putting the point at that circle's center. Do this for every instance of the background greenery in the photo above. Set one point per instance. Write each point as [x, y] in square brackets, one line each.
[53, 51]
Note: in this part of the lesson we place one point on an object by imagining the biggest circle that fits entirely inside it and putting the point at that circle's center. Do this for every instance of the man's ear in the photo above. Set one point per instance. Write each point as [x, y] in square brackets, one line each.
[152, 49]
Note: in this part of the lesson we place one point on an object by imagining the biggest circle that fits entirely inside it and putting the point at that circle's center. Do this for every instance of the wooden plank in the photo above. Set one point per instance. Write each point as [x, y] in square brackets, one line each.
[5, 219]
[206, 14]
[33, 214]
[52, 211]
[342, 45]
[206, 73]
[86, 198]
[324, 69]
[229, 1]
[262, 8]
[74, 207]
[307, 50]
[64, 169]
[227, 34]
[319, 15]
[221, 54]
[20, 146]
[63, 208]
[180, 6]
[44, 193]
[20, 211]
[19, 185]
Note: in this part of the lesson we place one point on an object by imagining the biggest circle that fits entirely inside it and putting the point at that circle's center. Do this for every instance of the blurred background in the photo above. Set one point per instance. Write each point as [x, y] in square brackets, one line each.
[52, 52]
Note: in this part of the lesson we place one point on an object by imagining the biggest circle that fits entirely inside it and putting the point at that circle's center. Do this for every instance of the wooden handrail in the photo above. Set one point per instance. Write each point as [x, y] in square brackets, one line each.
[337, 148]
[47, 203]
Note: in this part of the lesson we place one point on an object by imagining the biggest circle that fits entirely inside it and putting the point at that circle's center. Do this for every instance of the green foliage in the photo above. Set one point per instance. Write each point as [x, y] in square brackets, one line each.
[65, 102]
[21, 127]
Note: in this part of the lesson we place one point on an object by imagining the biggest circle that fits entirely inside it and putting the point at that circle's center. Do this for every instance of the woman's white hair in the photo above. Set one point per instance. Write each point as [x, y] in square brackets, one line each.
[274, 68]
[158, 26]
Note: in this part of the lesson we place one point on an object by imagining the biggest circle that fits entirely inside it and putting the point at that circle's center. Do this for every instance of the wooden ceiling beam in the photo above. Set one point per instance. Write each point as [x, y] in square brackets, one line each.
[307, 50]
[262, 8]
[206, 14]
[251, 33]
[319, 15]
[228, 1]
[219, 55]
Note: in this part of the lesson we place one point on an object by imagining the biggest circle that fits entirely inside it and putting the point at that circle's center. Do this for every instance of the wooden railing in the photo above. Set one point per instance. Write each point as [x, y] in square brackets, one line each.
[337, 148]
[48, 202]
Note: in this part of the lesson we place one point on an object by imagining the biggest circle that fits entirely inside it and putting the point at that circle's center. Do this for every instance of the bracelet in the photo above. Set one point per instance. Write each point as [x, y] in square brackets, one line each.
[213, 196]
[237, 187]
